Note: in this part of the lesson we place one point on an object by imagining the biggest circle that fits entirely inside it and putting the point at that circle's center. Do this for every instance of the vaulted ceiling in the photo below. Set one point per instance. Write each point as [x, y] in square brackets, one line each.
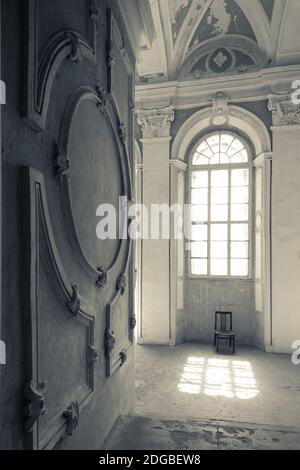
[199, 38]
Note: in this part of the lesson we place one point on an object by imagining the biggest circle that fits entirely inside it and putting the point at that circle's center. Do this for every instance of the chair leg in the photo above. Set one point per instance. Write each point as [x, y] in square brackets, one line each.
[215, 340]
[233, 348]
[217, 343]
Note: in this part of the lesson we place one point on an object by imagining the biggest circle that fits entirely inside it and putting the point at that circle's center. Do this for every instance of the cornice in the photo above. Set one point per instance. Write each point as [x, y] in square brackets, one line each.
[244, 87]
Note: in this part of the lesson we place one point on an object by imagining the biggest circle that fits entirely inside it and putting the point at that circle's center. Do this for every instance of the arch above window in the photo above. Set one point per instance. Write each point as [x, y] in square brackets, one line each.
[220, 148]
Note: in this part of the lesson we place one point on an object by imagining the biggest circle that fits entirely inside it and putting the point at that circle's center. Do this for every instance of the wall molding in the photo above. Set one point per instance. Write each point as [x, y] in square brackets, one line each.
[41, 68]
[62, 164]
[232, 116]
[41, 249]
[114, 359]
[246, 87]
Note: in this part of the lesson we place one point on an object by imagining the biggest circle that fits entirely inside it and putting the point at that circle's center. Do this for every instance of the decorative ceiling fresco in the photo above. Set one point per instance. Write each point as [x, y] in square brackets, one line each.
[200, 38]
[178, 12]
[222, 17]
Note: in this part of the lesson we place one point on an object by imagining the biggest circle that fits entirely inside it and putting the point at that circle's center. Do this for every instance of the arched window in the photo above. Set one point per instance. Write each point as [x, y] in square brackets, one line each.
[220, 197]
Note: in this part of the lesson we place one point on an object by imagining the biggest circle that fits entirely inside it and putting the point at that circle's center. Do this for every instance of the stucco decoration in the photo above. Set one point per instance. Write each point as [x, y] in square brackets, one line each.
[231, 56]
[113, 353]
[284, 111]
[155, 122]
[119, 66]
[71, 416]
[234, 116]
[74, 304]
[220, 103]
[34, 405]
[42, 62]
[112, 155]
[59, 323]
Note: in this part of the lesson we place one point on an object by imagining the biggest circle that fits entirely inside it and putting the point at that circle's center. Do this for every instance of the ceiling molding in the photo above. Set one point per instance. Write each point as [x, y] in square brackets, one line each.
[259, 22]
[167, 32]
[186, 37]
[231, 41]
[177, 23]
[139, 23]
[239, 88]
[288, 47]
[278, 14]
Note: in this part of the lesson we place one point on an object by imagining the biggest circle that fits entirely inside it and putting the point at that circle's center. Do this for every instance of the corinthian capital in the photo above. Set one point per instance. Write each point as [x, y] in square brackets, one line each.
[155, 122]
[284, 111]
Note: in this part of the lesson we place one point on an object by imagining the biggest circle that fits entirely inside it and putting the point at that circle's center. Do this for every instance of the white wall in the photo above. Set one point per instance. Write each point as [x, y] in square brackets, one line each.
[285, 238]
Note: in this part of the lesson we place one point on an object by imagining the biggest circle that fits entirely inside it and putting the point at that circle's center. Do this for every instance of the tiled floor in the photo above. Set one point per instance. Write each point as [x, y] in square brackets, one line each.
[189, 397]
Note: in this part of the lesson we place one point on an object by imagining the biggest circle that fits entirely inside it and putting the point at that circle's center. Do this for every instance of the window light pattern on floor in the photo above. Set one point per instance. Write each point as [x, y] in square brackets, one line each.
[219, 377]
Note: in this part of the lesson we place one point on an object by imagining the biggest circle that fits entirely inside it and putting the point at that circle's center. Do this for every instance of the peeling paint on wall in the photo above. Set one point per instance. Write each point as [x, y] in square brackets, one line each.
[178, 12]
[219, 18]
[223, 17]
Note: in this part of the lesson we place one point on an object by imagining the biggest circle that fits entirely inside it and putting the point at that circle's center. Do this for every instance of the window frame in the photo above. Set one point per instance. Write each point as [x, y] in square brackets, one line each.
[226, 166]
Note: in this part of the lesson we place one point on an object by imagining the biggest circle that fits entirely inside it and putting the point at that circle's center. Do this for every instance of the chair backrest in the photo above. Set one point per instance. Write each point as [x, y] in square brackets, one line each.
[223, 321]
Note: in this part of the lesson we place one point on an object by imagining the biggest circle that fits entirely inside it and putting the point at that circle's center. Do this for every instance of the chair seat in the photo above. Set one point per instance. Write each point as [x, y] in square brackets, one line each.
[225, 334]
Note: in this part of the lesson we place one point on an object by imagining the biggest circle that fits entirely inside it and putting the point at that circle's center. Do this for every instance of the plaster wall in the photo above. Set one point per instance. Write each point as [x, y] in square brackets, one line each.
[203, 297]
[285, 238]
[155, 265]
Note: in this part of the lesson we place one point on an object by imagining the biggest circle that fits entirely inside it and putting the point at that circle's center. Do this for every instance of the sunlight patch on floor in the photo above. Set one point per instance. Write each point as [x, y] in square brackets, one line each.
[218, 377]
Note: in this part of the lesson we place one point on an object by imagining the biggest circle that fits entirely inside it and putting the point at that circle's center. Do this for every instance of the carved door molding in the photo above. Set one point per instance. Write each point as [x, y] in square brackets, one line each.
[41, 251]
[63, 162]
[41, 67]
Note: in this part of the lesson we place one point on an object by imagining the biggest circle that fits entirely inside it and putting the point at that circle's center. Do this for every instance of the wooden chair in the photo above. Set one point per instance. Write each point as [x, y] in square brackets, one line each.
[223, 329]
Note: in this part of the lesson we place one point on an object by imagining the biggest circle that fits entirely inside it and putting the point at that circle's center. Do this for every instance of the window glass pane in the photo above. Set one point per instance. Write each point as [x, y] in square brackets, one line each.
[219, 196]
[200, 179]
[218, 232]
[214, 143]
[204, 149]
[219, 178]
[200, 159]
[218, 250]
[199, 250]
[240, 194]
[199, 196]
[240, 177]
[219, 213]
[241, 157]
[239, 267]
[215, 159]
[199, 232]
[239, 212]
[235, 147]
[213, 187]
[218, 267]
[199, 267]
[239, 232]
[226, 141]
[199, 213]
[224, 158]
[239, 250]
